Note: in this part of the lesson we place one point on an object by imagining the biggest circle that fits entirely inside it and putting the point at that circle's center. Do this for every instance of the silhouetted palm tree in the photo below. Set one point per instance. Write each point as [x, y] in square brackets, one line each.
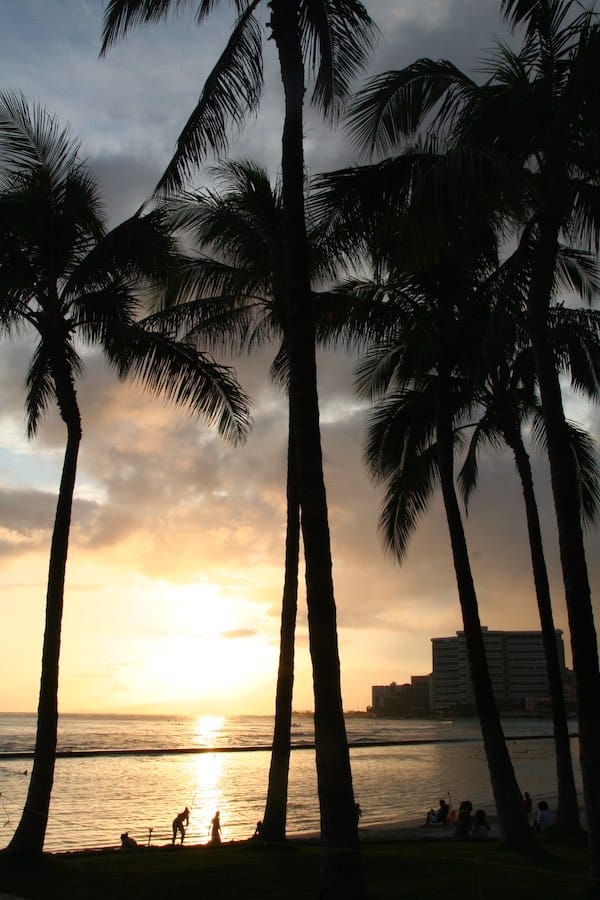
[239, 283]
[508, 401]
[425, 374]
[69, 283]
[330, 38]
[538, 115]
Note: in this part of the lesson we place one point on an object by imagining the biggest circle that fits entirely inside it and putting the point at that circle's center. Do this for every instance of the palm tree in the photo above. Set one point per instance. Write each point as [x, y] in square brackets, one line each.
[68, 282]
[330, 38]
[241, 303]
[240, 285]
[420, 372]
[538, 116]
[508, 400]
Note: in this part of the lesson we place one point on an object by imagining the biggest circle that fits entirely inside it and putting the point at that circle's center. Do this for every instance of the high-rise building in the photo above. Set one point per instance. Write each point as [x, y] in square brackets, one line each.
[517, 665]
[402, 699]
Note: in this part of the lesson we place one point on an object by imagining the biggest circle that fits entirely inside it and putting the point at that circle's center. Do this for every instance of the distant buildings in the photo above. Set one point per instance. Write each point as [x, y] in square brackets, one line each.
[517, 667]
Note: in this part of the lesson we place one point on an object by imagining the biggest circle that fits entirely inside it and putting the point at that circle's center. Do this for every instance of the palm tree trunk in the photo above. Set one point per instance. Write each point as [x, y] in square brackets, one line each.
[567, 812]
[507, 796]
[274, 822]
[341, 861]
[565, 491]
[31, 831]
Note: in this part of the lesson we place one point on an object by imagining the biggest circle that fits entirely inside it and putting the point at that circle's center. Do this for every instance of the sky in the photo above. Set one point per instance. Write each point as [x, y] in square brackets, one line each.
[175, 568]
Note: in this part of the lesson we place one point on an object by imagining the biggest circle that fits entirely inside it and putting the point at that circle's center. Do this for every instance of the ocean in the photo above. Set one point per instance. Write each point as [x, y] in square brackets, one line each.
[135, 773]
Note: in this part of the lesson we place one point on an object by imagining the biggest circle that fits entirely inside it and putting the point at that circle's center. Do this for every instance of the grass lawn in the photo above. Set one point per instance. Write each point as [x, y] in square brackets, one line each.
[413, 870]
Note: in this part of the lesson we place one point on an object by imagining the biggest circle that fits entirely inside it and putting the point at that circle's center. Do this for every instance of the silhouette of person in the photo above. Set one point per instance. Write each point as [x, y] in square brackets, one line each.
[543, 817]
[178, 824]
[258, 830]
[128, 843]
[215, 830]
[464, 820]
[357, 812]
[481, 826]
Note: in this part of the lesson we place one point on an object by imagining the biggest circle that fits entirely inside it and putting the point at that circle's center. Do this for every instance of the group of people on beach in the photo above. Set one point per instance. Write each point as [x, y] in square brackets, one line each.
[466, 824]
[180, 822]
[184, 817]
[469, 825]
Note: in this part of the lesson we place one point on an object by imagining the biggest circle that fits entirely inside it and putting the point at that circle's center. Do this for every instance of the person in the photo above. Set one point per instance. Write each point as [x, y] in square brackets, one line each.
[481, 826]
[527, 806]
[258, 830]
[464, 820]
[441, 816]
[128, 843]
[178, 824]
[215, 833]
[543, 818]
[357, 812]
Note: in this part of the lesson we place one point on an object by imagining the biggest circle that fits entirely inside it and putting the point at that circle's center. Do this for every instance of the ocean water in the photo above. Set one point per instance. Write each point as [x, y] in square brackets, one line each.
[135, 773]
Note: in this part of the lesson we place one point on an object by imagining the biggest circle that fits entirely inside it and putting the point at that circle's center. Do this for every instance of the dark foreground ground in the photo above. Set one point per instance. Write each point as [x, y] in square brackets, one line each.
[416, 870]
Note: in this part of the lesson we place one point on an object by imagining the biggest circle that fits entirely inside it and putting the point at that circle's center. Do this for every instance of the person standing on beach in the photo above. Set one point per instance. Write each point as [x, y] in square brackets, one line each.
[178, 824]
[215, 834]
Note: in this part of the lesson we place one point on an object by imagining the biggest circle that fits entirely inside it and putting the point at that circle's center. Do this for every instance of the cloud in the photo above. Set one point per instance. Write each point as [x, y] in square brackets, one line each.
[236, 633]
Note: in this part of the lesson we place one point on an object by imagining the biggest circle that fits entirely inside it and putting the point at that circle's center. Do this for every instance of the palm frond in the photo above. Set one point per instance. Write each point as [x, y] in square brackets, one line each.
[337, 37]
[394, 105]
[140, 251]
[40, 381]
[407, 497]
[180, 373]
[31, 139]
[231, 91]
[585, 454]
[209, 322]
[484, 431]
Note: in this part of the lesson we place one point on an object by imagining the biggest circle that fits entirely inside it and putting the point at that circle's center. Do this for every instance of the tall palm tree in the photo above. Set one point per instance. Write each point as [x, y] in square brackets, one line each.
[329, 38]
[239, 284]
[426, 386]
[538, 115]
[508, 400]
[68, 283]
[240, 289]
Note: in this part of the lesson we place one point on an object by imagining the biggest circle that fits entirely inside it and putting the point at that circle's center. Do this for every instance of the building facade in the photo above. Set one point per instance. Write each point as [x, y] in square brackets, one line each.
[517, 665]
[393, 699]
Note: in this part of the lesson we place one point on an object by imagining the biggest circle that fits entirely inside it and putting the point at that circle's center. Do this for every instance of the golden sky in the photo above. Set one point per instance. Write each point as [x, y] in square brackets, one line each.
[175, 567]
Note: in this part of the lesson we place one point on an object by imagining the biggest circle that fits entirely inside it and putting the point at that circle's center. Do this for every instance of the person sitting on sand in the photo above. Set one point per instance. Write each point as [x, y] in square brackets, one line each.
[178, 824]
[481, 826]
[441, 816]
[543, 817]
[464, 820]
[215, 833]
[128, 843]
[438, 816]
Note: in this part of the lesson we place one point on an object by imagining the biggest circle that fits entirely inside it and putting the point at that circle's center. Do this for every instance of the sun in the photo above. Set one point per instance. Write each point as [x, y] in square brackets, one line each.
[211, 646]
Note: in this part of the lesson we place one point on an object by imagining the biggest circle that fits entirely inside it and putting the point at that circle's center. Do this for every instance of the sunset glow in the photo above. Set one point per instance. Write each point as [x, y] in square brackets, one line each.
[175, 569]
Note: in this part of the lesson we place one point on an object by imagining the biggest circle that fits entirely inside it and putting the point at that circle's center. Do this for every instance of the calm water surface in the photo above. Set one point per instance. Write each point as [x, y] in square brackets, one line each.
[95, 798]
